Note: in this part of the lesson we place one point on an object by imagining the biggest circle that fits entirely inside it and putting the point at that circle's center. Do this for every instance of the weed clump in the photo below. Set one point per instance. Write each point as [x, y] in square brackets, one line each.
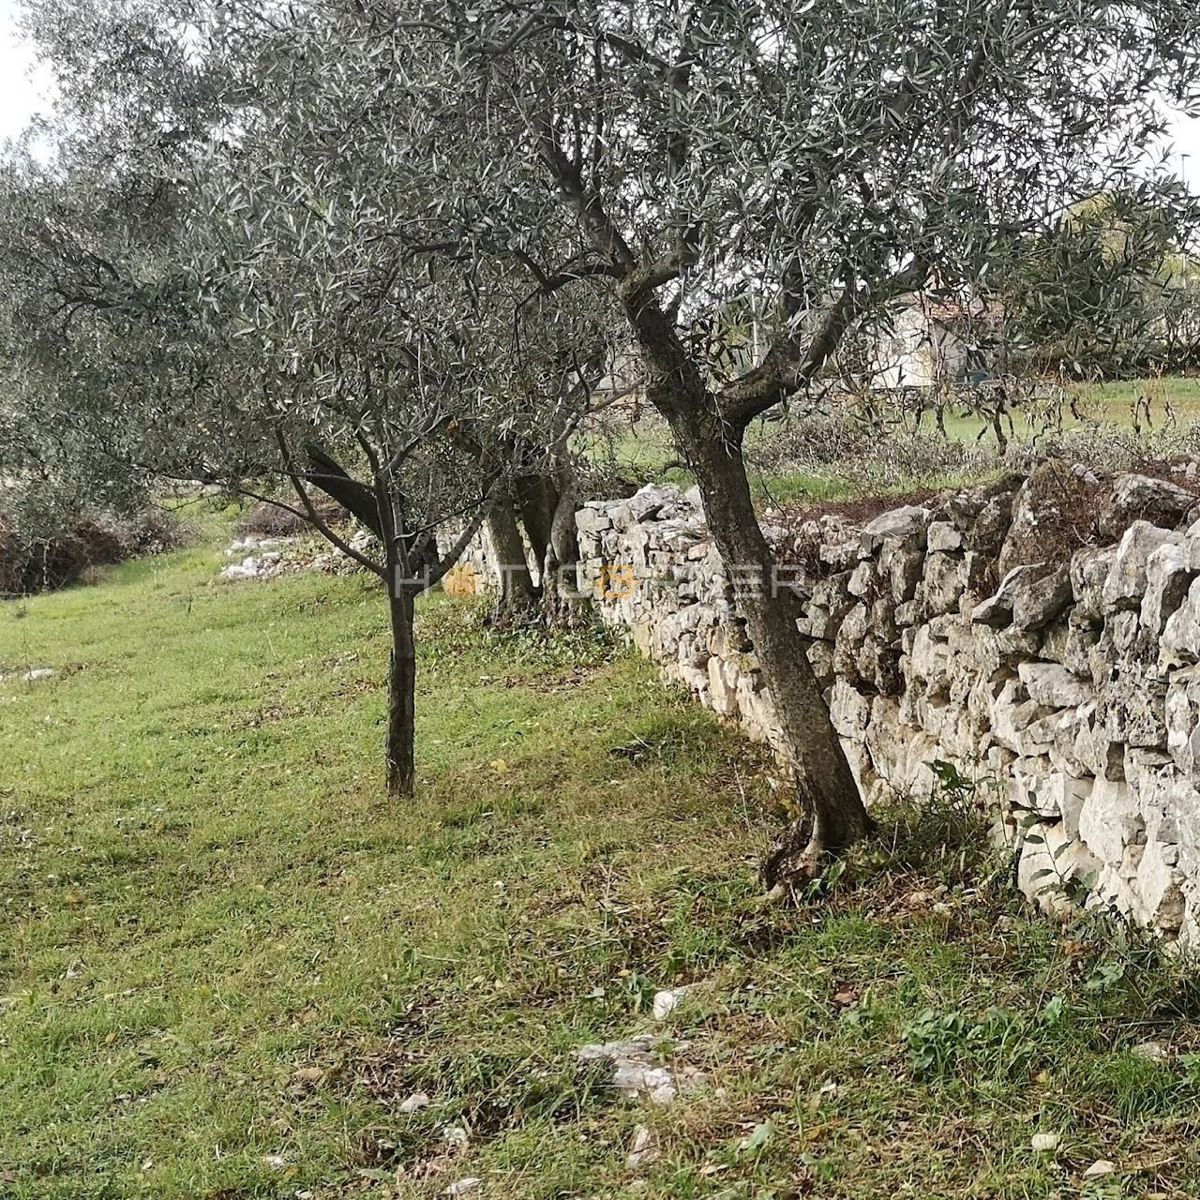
[30, 564]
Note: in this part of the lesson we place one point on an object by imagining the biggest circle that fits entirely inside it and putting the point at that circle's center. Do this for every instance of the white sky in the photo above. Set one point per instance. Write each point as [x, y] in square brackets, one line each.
[24, 91]
[21, 95]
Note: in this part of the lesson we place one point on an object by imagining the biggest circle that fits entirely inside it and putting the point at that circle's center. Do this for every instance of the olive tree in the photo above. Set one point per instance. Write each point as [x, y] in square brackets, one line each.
[817, 159]
[225, 297]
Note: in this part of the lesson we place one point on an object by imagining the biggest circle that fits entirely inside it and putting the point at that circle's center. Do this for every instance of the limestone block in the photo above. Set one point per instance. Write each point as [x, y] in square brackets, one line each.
[992, 525]
[901, 524]
[1126, 582]
[756, 711]
[1159, 887]
[849, 710]
[723, 696]
[693, 650]
[592, 521]
[1012, 714]
[851, 635]
[1168, 577]
[962, 508]
[1071, 724]
[1090, 566]
[944, 584]
[945, 537]
[726, 638]
[648, 502]
[1180, 641]
[1040, 601]
[1132, 709]
[1110, 821]
[1141, 497]
[1071, 645]
[674, 537]
[820, 656]
[904, 566]
[929, 660]
[997, 610]
[1102, 757]
[672, 627]
[1143, 769]
[843, 554]
[818, 623]
[1002, 651]
[1182, 710]
[864, 580]
[1052, 685]
[833, 593]
[1124, 639]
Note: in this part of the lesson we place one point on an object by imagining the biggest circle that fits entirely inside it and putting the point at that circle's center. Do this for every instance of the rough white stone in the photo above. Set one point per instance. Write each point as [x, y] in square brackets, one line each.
[997, 610]
[1126, 582]
[1180, 641]
[1037, 602]
[944, 536]
[1089, 571]
[900, 524]
[1053, 686]
[592, 521]
[1168, 577]
[1144, 497]
[1109, 820]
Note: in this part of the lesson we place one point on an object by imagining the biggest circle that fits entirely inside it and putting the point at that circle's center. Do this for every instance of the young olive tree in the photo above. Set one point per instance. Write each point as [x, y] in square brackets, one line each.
[819, 160]
[247, 311]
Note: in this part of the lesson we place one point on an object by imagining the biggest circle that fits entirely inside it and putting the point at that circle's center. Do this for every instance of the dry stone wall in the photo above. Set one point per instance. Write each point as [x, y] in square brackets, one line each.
[1063, 678]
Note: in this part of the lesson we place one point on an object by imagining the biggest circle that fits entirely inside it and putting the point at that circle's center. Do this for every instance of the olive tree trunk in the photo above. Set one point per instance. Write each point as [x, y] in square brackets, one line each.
[402, 684]
[711, 443]
[518, 596]
[825, 785]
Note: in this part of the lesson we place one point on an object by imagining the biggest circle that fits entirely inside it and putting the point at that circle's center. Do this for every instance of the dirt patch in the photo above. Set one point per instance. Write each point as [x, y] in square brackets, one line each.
[266, 520]
[855, 511]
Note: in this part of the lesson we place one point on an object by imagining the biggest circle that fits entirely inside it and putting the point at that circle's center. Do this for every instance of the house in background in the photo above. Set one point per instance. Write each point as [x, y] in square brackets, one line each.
[931, 342]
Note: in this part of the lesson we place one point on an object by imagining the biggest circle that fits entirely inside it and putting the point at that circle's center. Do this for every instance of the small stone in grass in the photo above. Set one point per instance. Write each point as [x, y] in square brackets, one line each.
[457, 1136]
[666, 1002]
[463, 1187]
[1045, 1143]
[643, 1149]
[1150, 1051]
[414, 1102]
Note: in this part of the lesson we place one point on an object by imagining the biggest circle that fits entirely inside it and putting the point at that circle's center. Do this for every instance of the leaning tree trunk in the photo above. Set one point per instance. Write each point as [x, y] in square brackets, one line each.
[518, 597]
[824, 781]
[402, 683]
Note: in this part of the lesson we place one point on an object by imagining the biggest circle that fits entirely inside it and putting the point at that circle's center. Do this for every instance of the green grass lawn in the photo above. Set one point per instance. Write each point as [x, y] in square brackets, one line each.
[227, 958]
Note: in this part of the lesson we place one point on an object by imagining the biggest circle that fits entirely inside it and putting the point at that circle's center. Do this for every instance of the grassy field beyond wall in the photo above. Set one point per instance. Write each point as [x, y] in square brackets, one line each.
[841, 447]
[228, 961]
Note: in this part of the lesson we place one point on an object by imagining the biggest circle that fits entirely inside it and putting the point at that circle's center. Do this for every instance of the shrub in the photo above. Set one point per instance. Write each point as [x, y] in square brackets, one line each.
[61, 557]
